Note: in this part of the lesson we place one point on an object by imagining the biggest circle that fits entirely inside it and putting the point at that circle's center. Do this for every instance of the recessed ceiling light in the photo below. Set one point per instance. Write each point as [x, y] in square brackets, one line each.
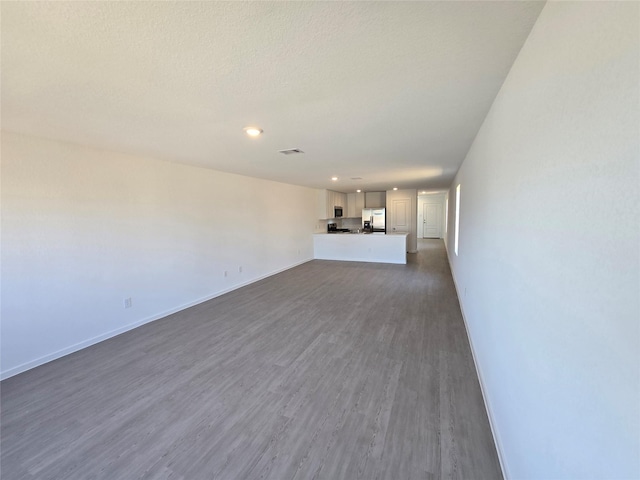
[358, 190]
[253, 131]
[423, 192]
[395, 188]
[334, 178]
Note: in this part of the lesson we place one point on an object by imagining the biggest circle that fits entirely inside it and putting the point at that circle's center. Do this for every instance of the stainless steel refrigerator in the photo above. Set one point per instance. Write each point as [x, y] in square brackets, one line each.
[377, 218]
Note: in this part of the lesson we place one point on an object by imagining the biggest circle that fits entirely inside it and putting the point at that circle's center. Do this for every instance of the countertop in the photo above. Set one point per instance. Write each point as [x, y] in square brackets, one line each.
[360, 234]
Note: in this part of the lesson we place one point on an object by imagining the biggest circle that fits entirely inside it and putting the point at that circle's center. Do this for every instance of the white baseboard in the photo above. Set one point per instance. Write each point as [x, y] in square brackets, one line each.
[99, 338]
[494, 431]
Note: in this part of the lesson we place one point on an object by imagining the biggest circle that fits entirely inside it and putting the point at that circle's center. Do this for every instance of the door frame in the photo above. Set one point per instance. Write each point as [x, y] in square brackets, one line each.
[433, 198]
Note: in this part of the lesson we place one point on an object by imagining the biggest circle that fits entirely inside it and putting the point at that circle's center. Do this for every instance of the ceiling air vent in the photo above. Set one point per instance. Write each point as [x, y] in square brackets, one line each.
[291, 151]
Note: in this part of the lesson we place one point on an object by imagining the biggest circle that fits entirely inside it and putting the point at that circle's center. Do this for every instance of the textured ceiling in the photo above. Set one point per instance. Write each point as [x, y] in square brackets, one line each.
[393, 92]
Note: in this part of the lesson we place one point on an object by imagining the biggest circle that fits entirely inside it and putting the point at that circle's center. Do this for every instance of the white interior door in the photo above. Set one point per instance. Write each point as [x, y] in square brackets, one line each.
[431, 221]
[401, 215]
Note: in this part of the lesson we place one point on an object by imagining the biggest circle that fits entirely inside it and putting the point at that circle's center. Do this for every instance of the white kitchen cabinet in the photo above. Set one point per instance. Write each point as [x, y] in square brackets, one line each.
[337, 200]
[355, 204]
[375, 200]
[322, 202]
[327, 201]
[351, 205]
[359, 204]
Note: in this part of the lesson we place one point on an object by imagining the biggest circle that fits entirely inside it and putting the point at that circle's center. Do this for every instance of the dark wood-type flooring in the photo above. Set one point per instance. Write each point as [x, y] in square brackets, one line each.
[332, 370]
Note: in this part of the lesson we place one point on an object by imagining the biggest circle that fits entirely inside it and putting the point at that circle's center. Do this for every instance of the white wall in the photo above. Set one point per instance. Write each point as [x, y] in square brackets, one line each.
[82, 229]
[548, 265]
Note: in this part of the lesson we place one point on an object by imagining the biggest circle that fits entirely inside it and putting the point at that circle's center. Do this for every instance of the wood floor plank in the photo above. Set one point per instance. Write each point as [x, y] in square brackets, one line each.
[330, 370]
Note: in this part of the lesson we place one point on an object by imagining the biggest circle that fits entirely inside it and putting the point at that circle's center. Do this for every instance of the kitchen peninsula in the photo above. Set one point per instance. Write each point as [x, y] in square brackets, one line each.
[361, 247]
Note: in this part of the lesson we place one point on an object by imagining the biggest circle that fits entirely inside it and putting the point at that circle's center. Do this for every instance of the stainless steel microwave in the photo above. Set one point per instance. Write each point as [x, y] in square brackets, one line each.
[337, 212]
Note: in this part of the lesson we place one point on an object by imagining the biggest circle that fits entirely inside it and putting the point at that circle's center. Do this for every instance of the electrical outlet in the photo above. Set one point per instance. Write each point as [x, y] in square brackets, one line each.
[128, 303]
[240, 269]
[298, 251]
[226, 273]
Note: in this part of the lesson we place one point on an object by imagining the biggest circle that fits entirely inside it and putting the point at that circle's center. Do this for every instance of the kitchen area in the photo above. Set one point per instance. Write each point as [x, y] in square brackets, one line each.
[357, 229]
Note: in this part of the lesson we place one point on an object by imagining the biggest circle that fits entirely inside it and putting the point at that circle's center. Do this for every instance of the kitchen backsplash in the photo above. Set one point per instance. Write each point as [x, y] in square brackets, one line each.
[350, 223]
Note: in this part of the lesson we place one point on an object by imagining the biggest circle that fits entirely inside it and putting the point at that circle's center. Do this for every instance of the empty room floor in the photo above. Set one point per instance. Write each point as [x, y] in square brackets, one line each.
[333, 370]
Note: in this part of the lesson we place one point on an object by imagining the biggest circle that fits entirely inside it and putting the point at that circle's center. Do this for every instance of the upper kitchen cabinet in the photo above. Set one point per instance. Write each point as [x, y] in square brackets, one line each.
[375, 199]
[322, 204]
[327, 201]
[355, 204]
